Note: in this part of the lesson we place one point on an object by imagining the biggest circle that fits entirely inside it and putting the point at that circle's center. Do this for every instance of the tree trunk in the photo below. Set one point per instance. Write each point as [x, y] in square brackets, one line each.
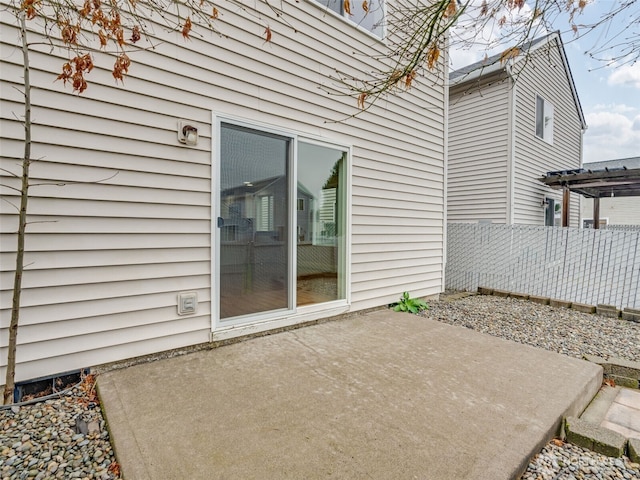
[22, 221]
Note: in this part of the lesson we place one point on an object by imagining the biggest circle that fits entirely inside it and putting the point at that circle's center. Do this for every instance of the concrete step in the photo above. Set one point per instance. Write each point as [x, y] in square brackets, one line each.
[610, 425]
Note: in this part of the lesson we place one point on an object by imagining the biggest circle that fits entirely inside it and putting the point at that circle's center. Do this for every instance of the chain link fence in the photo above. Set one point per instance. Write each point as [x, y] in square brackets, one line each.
[577, 265]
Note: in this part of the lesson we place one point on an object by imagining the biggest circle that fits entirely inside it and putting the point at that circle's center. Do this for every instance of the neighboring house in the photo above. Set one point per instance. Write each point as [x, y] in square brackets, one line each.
[146, 247]
[615, 210]
[510, 122]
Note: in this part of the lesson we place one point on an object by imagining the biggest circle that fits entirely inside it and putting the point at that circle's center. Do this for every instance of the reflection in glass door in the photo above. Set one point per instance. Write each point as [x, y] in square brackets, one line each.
[320, 224]
[254, 221]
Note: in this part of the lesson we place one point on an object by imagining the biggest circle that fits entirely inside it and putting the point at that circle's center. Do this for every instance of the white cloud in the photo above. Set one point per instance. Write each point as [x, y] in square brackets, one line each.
[627, 75]
[613, 133]
[616, 108]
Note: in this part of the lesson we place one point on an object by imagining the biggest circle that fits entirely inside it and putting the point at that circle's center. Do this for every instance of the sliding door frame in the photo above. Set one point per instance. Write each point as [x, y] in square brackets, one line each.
[292, 314]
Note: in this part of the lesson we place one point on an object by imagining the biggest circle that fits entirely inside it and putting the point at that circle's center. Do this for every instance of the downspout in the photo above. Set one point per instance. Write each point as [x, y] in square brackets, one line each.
[580, 198]
[445, 158]
[511, 145]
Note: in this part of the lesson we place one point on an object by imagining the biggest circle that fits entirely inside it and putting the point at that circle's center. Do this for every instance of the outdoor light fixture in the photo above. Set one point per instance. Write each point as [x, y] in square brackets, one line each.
[187, 133]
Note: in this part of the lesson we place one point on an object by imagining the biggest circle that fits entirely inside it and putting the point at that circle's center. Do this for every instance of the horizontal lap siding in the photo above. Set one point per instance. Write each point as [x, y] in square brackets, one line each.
[544, 75]
[617, 211]
[108, 251]
[478, 151]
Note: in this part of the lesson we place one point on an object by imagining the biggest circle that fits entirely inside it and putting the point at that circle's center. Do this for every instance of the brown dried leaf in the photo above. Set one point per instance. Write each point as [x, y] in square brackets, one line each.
[267, 34]
[119, 33]
[30, 8]
[79, 83]
[186, 28]
[432, 56]
[104, 38]
[135, 34]
[83, 63]
[609, 381]
[121, 67]
[365, 6]
[114, 469]
[509, 53]
[98, 17]
[408, 79]
[66, 74]
[215, 14]
[115, 24]
[361, 99]
[88, 386]
[347, 6]
[451, 9]
[86, 9]
[69, 33]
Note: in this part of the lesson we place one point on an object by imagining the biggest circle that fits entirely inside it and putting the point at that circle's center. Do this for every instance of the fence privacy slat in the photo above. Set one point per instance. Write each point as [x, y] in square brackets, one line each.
[578, 265]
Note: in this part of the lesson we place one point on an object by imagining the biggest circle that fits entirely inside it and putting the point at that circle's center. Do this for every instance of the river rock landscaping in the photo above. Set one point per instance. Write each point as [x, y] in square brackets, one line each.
[64, 437]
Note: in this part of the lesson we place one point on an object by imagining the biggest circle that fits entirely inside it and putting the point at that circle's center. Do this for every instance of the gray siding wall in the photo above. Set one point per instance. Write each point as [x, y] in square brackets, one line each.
[108, 252]
[477, 175]
[543, 74]
[617, 211]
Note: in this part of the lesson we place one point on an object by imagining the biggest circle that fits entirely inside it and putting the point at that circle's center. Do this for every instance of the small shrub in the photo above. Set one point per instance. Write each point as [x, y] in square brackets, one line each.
[408, 304]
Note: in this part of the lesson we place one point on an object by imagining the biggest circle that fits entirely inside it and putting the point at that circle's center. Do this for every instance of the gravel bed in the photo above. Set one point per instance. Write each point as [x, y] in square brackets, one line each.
[564, 461]
[559, 330]
[60, 438]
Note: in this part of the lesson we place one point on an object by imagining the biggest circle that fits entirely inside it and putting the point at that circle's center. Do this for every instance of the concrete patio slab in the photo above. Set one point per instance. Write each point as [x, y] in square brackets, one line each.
[383, 395]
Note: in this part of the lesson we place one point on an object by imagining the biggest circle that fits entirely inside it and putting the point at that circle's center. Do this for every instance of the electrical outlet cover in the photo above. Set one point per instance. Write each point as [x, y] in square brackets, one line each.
[187, 303]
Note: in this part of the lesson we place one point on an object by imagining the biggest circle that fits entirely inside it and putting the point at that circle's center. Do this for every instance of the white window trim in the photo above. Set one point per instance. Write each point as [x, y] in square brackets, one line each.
[547, 134]
[298, 314]
[345, 18]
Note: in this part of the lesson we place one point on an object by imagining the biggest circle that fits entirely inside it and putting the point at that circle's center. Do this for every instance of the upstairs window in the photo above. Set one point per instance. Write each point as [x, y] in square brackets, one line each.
[368, 14]
[544, 120]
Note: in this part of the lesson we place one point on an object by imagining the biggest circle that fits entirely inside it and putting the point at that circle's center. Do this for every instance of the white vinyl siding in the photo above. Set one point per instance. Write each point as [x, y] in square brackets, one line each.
[477, 175]
[132, 226]
[544, 76]
[617, 210]
[496, 155]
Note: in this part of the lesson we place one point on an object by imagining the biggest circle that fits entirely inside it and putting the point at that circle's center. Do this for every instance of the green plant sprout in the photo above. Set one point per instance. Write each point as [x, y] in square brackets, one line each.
[408, 304]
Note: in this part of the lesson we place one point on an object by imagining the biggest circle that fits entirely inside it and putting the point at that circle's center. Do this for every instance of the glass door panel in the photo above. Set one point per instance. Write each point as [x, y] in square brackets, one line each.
[253, 222]
[321, 222]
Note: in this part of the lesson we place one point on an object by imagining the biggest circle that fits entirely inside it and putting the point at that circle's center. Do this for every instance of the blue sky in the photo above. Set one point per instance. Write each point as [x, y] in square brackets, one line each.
[610, 95]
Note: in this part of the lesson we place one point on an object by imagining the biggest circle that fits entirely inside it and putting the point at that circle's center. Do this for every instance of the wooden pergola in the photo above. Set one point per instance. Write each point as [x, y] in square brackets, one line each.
[615, 182]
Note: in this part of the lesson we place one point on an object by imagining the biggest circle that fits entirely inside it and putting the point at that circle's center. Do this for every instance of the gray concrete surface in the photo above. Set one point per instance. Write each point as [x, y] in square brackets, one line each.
[611, 422]
[384, 396]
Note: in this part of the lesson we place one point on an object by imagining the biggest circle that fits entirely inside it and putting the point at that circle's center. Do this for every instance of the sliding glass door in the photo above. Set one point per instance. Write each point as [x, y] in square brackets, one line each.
[321, 212]
[253, 222]
[281, 225]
